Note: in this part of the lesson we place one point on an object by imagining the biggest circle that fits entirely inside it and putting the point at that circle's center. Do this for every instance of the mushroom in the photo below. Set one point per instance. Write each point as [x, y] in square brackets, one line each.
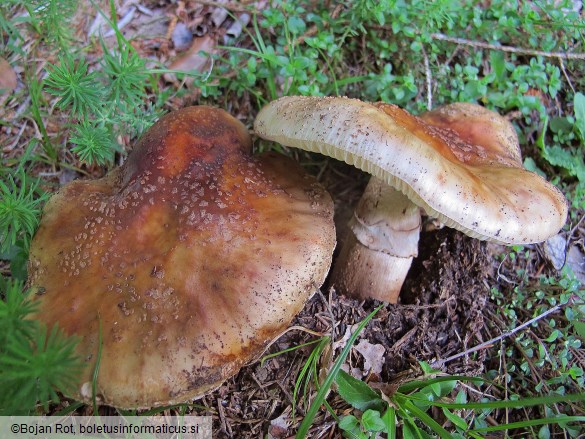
[460, 163]
[183, 264]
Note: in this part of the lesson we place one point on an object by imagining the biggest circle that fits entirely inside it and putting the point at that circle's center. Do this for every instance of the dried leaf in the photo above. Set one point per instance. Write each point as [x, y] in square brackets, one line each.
[196, 59]
[373, 356]
[576, 260]
[355, 372]
[7, 77]
[235, 29]
[181, 36]
[340, 344]
[278, 428]
[555, 249]
[219, 15]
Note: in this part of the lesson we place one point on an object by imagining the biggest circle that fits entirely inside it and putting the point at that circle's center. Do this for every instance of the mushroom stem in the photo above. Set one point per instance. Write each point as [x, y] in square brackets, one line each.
[379, 248]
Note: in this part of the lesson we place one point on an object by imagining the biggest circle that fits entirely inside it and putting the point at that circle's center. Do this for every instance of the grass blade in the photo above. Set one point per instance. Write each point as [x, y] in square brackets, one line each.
[316, 404]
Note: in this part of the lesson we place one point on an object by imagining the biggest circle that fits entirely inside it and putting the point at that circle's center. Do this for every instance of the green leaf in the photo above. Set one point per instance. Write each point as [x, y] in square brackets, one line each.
[413, 385]
[348, 422]
[579, 328]
[568, 159]
[389, 419]
[296, 25]
[411, 431]
[424, 417]
[358, 394]
[427, 368]
[498, 64]
[532, 423]
[455, 419]
[553, 336]
[579, 105]
[461, 397]
[516, 403]
[351, 427]
[372, 422]
[544, 432]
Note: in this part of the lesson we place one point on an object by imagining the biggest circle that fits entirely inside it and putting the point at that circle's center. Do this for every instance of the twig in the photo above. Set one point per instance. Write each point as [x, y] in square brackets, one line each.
[512, 49]
[430, 306]
[330, 312]
[566, 75]
[496, 339]
[428, 80]
[229, 6]
[500, 275]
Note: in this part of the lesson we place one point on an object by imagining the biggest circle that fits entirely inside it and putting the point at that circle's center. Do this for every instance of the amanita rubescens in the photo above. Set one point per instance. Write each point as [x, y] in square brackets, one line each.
[460, 163]
[191, 257]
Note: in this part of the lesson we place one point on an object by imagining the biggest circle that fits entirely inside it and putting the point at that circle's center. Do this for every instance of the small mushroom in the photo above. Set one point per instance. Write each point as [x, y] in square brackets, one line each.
[460, 163]
[186, 261]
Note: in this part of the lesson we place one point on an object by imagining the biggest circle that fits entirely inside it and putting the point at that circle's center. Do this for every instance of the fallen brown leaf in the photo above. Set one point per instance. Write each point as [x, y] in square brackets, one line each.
[373, 356]
[193, 60]
[7, 77]
[576, 260]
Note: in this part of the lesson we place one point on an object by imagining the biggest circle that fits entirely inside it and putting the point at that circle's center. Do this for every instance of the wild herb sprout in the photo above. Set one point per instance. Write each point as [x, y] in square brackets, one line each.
[106, 103]
[93, 143]
[50, 19]
[34, 362]
[79, 91]
[126, 74]
[20, 208]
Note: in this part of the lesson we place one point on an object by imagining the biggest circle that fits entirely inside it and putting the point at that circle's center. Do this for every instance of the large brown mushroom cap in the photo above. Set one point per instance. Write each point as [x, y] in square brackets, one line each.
[467, 185]
[192, 256]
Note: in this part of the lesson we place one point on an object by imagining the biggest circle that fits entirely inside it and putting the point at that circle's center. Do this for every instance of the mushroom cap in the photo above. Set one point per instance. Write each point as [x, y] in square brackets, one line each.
[191, 258]
[475, 185]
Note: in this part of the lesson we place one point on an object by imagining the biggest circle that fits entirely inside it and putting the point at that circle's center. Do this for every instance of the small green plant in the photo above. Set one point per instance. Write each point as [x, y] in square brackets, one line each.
[50, 19]
[408, 408]
[103, 104]
[35, 363]
[20, 209]
[78, 90]
[567, 150]
[325, 386]
[415, 54]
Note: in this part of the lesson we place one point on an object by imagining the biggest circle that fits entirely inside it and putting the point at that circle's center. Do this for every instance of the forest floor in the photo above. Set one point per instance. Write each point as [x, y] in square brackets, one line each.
[459, 295]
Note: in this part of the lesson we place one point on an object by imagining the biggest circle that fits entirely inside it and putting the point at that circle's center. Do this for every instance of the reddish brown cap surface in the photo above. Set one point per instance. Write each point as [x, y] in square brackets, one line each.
[193, 255]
